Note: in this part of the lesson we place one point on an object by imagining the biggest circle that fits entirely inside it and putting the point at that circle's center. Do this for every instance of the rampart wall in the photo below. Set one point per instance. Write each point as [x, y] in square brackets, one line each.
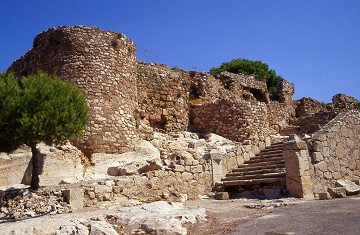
[238, 121]
[122, 92]
[103, 64]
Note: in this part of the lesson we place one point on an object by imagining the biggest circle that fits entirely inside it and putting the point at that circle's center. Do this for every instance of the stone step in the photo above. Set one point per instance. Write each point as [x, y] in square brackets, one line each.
[268, 159]
[255, 176]
[253, 172]
[270, 151]
[262, 163]
[254, 181]
[244, 168]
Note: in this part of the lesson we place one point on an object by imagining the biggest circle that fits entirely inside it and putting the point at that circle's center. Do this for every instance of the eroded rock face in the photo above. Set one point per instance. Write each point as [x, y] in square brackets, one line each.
[15, 167]
[144, 156]
[61, 164]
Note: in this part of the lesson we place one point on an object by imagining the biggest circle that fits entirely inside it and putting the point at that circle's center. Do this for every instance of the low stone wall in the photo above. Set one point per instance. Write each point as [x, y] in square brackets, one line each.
[332, 153]
[15, 168]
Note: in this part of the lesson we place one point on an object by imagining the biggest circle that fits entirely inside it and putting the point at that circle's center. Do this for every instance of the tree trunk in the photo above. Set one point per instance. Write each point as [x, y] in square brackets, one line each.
[36, 168]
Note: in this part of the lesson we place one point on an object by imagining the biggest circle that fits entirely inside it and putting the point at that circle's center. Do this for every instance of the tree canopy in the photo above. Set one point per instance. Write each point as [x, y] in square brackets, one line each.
[259, 69]
[39, 108]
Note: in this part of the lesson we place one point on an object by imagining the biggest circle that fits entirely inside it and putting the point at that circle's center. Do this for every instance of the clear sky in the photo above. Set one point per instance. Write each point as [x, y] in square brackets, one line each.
[312, 43]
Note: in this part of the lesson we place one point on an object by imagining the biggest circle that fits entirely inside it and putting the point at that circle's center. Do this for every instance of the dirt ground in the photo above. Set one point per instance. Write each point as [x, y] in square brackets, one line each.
[223, 216]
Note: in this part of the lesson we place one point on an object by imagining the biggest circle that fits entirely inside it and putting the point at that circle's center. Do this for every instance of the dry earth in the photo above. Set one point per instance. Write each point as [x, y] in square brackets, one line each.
[221, 218]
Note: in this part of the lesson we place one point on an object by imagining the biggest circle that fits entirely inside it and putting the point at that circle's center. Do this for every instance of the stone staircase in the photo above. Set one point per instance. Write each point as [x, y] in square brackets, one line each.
[266, 168]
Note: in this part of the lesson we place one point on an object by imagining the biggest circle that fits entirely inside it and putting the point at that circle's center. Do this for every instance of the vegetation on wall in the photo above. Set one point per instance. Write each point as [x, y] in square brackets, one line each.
[39, 108]
[259, 69]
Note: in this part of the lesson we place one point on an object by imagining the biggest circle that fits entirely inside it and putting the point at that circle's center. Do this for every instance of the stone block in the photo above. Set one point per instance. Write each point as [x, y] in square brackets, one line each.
[324, 196]
[350, 187]
[296, 144]
[178, 168]
[196, 169]
[338, 192]
[221, 196]
[317, 157]
[75, 198]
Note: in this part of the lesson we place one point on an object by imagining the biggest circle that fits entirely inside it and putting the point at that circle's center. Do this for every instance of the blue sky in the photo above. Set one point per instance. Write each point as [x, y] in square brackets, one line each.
[315, 44]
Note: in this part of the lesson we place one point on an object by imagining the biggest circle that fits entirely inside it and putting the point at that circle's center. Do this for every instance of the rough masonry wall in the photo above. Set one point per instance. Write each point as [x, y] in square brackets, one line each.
[238, 121]
[103, 64]
[124, 95]
[165, 94]
[335, 151]
[280, 115]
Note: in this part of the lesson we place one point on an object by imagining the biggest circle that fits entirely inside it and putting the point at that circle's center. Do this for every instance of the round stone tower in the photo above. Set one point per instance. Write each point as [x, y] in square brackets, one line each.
[101, 63]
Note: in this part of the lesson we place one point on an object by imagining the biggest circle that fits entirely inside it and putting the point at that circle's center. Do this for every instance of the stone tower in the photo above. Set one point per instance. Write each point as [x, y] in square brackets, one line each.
[101, 63]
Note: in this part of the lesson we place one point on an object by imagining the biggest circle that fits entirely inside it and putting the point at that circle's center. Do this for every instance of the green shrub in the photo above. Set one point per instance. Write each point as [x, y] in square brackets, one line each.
[248, 67]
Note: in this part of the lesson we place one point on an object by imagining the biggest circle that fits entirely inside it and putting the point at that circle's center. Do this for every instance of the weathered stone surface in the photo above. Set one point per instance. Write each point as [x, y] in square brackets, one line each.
[350, 187]
[19, 160]
[101, 228]
[151, 217]
[65, 159]
[221, 196]
[74, 197]
[338, 192]
[144, 157]
[324, 196]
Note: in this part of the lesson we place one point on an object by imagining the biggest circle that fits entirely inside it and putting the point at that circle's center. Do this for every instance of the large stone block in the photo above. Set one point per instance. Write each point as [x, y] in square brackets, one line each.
[338, 192]
[59, 164]
[16, 167]
[74, 197]
[350, 187]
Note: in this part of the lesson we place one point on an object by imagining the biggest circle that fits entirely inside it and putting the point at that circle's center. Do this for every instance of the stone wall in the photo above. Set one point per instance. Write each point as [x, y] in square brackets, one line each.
[165, 94]
[335, 151]
[330, 154]
[103, 64]
[238, 121]
[280, 115]
[124, 94]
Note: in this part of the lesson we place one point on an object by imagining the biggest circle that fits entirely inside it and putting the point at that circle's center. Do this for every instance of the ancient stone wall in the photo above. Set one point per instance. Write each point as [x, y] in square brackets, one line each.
[285, 91]
[165, 94]
[238, 121]
[103, 64]
[332, 153]
[125, 95]
[280, 115]
[335, 151]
